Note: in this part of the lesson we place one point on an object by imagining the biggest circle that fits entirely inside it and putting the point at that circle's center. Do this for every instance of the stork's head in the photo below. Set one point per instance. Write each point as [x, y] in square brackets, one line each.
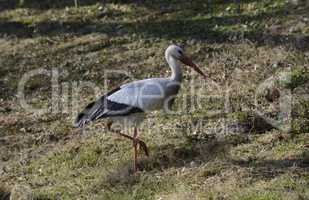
[178, 53]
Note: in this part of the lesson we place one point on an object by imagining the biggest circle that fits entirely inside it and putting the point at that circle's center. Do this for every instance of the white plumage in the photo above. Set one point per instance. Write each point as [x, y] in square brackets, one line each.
[148, 94]
[129, 103]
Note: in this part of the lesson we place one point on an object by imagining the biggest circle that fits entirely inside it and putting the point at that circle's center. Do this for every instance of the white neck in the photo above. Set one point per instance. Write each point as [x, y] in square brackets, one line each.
[175, 67]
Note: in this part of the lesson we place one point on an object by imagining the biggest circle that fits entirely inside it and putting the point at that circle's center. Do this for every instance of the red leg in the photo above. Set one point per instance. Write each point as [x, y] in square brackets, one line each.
[135, 142]
[140, 142]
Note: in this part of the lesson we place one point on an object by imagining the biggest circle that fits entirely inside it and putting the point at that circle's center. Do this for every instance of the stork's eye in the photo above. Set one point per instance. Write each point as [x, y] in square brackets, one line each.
[180, 52]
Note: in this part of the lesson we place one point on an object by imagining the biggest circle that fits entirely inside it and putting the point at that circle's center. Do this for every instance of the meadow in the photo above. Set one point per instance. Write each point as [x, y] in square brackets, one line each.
[232, 138]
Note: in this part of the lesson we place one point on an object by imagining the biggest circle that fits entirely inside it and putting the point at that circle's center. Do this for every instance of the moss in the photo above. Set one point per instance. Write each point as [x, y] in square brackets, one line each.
[305, 156]
[300, 125]
[294, 79]
[241, 116]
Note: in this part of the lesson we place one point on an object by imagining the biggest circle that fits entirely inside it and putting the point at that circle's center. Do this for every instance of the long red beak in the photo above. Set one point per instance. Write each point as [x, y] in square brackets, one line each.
[187, 61]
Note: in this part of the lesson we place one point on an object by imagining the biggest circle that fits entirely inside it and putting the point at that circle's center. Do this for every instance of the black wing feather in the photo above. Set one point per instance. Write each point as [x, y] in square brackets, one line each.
[104, 108]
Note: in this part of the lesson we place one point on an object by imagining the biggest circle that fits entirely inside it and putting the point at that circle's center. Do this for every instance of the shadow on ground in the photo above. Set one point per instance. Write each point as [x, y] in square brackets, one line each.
[43, 4]
[173, 29]
[158, 4]
[169, 156]
[4, 194]
[196, 153]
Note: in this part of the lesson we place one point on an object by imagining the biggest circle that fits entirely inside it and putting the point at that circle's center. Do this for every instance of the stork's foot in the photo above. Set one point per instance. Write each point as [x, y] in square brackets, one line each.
[143, 145]
[136, 143]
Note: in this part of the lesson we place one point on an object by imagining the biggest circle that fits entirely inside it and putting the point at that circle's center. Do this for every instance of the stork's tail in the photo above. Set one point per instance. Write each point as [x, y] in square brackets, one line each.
[84, 117]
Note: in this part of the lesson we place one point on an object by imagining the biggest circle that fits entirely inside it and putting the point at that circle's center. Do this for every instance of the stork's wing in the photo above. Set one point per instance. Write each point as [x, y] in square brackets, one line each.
[148, 94]
[104, 107]
[134, 97]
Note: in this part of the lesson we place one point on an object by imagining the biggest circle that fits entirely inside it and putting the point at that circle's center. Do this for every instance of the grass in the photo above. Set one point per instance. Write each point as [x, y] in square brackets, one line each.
[210, 149]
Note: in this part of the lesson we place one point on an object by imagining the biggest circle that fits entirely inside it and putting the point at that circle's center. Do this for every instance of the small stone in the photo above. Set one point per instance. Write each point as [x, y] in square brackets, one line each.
[292, 29]
[306, 19]
[192, 164]
[183, 169]
[192, 42]
[275, 65]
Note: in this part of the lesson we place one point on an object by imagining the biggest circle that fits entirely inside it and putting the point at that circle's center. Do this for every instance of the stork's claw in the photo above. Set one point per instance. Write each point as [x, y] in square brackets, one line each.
[144, 147]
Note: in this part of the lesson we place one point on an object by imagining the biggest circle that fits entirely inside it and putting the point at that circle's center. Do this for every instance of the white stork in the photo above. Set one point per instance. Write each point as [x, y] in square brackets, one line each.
[129, 103]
